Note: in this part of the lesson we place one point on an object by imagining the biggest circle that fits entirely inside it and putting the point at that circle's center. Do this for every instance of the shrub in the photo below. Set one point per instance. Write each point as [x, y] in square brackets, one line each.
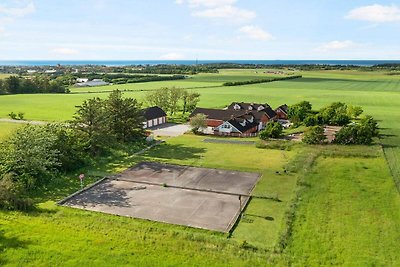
[198, 122]
[314, 135]
[272, 130]
[298, 112]
[21, 115]
[12, 194]
[358, 134]
[13, 116]
[335, 114]
[31, 155]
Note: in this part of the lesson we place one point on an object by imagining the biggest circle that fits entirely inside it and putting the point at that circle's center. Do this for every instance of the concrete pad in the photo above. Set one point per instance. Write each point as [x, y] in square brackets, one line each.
[146, 198]
[170, 129]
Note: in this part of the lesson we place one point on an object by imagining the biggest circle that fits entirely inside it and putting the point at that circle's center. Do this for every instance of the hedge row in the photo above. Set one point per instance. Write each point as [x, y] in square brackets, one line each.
[267, 80]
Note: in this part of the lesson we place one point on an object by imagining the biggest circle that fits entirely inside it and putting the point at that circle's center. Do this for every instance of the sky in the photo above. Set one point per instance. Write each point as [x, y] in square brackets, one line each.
[202, 29]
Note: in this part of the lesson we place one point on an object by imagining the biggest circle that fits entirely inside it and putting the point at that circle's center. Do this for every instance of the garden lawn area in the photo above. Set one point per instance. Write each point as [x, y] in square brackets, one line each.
[349, 215]
[57, 234]
[349, 204]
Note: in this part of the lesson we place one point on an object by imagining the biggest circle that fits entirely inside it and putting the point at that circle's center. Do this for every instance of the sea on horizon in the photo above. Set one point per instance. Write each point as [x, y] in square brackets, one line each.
[190, 62]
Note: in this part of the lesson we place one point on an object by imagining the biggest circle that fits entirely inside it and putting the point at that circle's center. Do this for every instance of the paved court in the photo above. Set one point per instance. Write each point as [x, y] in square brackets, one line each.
[170, 129]
[196, 197]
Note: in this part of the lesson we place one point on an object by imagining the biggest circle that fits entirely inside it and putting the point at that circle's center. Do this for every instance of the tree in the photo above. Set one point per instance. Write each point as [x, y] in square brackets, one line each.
[124, 118]
[12, 85]
[314, 135]
[372, 125]
[90, 120]
[198, 122]
[273, 129]
[335, 114]
[354, 111]
[30, 155]
[190, 100]
[71, 147]
[298, 112]
[358, 134]
[175, 95]
[159, 97]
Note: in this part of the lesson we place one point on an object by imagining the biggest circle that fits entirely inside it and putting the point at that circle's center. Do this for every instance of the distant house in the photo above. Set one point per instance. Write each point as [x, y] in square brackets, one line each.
[94, 82]
[82, 80]
[154, 116]
[282, 112]
[238, 119]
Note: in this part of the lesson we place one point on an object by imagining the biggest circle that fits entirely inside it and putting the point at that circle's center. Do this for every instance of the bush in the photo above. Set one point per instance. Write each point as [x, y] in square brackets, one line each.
[272, 130]
[314, 135]
[358, 134]
[21, 115]
[13, 116]
[31, 154]
[198, 123]
[12, 194]
[335, 114]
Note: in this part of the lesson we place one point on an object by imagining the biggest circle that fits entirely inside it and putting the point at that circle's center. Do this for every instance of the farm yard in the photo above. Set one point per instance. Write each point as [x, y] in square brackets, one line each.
[335, 201]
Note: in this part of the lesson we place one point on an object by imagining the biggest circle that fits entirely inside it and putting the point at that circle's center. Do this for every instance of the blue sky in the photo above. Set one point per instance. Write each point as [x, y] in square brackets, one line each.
[203, 29]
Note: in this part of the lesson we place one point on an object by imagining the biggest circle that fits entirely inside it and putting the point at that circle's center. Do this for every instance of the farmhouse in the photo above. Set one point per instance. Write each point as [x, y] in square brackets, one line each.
[238, 119]
[282, 112]
[154, 116]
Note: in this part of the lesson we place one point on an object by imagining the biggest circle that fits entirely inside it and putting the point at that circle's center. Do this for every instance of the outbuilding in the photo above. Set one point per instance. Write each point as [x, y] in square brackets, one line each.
[154, 116]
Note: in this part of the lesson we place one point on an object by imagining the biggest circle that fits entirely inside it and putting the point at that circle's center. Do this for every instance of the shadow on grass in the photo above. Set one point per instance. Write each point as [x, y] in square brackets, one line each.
[171, 151]
[313, 80]
[10, 243]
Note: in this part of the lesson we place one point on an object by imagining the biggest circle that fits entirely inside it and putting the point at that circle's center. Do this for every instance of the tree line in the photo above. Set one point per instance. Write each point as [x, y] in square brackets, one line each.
[122, 78]
[354, 131]
[264, 80]
[35, 156]
[173, 99]
[34, 85]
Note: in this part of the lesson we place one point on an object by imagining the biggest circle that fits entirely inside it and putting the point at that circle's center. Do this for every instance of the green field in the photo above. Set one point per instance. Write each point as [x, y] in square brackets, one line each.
[377, 93]
[349, 215]
[347, 206]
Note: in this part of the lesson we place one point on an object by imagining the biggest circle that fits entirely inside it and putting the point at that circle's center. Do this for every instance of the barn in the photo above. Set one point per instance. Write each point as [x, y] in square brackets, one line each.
[154, 116]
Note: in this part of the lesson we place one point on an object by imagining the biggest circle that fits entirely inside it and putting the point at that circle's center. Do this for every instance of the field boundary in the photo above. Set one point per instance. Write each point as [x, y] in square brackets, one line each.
[395, 179]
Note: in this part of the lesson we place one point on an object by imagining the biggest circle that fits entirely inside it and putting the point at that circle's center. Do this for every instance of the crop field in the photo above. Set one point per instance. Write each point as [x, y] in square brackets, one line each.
[349, 215]
[377, 93]
[347, 207]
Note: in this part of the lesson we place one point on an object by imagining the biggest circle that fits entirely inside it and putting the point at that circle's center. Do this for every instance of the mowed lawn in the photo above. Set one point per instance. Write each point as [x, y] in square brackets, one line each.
[348, 216]
[257, 230]
[57, 234]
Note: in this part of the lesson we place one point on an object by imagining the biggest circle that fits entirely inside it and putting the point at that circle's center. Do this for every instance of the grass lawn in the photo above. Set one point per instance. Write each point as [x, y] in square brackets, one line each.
[58, 234]
[349, 212]
[7, 128]
[349, 215]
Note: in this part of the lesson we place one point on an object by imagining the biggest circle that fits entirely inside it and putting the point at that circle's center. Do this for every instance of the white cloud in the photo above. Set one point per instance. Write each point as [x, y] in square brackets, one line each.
[336, 45]
[10, 14]
[210, 3]
[375, 13]
[64, 51]
[226, 12]
[172, 56]
[18, 11]
[256, 33]
[218, 9]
